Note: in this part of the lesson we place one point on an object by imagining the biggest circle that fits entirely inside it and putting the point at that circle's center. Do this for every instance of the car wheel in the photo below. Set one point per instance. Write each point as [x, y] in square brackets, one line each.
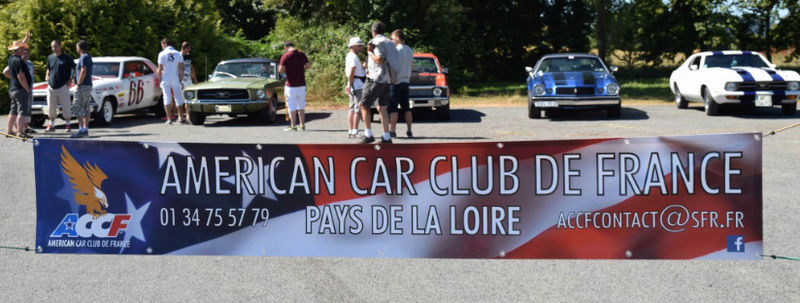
[712, 108]
[196, 118]
[37, 121]
[680, 101]
[789, 109]
[105, 114]
[615, 111]
[158, 109]
[443, 112]
[533, 112]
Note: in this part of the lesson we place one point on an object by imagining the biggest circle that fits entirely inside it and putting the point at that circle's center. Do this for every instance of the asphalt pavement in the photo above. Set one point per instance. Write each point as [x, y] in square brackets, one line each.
[26, 276]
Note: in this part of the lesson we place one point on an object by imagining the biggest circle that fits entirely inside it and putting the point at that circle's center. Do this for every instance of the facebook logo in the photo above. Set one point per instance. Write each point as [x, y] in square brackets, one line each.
[735, 243]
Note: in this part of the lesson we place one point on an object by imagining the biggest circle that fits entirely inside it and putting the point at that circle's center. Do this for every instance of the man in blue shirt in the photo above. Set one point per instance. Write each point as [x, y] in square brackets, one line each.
[83, 95]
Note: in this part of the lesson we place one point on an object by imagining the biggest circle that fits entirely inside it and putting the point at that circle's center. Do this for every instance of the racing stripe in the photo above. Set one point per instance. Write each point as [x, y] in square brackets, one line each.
[747, 53]
[560, 78]
[778, 95]
[746, 77]
[717, 53]
[589, 79]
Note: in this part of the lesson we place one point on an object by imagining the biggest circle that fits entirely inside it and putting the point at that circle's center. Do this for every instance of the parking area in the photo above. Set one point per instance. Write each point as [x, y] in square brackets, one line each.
[26, 276]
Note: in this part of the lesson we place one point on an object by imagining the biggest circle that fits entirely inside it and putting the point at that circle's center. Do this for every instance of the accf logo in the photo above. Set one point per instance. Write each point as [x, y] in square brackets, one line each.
[106, 226]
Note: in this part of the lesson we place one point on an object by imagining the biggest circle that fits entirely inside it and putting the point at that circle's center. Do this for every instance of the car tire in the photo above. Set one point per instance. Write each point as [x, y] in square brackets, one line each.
[712, 107]
[533, 112]
[443, 112]
[158, 109]
[272, 110]
[680, 101]
[105, 114]
[789, 109]
[196, 118]
[615, 111]
[37, 120]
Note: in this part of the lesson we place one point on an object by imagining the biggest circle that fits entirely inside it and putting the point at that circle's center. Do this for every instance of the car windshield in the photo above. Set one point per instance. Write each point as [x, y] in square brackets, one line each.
[571, 64]
[105, 69]
[750, 60]
[244, 70]
[424, 65]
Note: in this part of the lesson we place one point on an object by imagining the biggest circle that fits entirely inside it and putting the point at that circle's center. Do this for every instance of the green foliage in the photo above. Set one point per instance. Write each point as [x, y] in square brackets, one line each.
[113, 28]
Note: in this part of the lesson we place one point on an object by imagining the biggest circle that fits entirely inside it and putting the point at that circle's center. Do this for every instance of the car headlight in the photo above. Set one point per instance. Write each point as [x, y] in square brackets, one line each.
[538, 89]
[612, 89]
[189, 95]
[793, 85]
[260, 94]
[437, 91]
[730, 86]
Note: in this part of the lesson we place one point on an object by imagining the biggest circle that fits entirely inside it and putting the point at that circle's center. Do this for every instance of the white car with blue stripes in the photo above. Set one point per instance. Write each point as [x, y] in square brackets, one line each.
[734, 77]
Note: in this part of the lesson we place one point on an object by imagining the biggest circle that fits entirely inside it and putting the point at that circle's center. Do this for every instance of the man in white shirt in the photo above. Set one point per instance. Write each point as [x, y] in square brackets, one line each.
[170, 69]
[399, 93]
[355, 74]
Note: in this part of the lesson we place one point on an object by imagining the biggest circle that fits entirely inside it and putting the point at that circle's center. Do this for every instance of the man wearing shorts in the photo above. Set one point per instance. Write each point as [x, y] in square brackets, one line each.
[60, 66]
[83, 94]
[381, 54]
[294, 63]
[355, 84]
[18, 89]
[170, 69]
[399, 92]
[188, 77]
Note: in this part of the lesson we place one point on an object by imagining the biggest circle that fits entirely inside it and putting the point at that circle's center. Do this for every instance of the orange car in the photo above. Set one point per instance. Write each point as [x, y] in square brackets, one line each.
[428, 87]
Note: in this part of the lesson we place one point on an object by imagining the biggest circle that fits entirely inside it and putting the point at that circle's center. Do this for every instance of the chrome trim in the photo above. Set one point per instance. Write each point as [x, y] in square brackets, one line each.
[587, 98]
[226, 102]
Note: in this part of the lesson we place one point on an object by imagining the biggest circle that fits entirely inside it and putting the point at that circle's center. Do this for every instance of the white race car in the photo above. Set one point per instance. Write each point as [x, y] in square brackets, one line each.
[119, 85]
[734, 77]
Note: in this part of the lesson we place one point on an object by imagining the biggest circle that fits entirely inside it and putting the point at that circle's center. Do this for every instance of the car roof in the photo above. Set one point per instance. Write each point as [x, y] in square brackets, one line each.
[117, 58]
[563, 55]
[425, 55]
[247, 60]
[726, 52]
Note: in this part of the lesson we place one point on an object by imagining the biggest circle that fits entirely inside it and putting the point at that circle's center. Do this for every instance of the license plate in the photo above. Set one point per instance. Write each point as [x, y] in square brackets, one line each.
[224, 108]
[763, 101]
[437, 102]
[545, 104]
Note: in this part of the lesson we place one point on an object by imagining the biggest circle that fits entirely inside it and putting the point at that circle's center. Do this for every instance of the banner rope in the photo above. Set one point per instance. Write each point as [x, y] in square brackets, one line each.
[773, 132]
[7, 135]
[774, 257]
[15, 248]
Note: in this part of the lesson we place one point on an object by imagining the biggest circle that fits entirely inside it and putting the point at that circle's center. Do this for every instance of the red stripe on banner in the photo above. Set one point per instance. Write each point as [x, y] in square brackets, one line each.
[422, 155]
[657, 243]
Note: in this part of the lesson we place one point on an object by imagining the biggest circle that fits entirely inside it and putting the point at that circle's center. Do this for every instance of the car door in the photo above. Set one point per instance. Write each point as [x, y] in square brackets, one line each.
[138, 78]
[692, 80]
[128, 82]
[149, 86]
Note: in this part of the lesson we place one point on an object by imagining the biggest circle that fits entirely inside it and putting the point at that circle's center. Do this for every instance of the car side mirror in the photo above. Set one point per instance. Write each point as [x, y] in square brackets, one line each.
[131, 75]
[209, 77]
[694, 67]
[772, 65]
[614, 69]
[445, 70]
[529, 69]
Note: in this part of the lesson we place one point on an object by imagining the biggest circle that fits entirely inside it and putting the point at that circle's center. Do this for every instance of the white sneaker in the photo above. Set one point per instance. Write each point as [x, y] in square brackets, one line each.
[169, 122]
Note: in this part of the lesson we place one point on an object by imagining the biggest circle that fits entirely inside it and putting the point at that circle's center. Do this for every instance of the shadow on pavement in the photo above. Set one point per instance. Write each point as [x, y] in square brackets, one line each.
[628, 113]
[242, 121]
[770, 113]
[463, 115]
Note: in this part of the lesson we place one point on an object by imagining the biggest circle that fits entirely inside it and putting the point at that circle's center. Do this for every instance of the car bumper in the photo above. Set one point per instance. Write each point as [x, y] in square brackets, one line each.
[737, 97]
[421, 102]
[575, 102]
[224, 107]
[41, 109]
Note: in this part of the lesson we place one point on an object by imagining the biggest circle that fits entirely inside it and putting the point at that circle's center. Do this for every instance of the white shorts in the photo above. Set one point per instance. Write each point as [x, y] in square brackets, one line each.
[295, 97]
[171, 90]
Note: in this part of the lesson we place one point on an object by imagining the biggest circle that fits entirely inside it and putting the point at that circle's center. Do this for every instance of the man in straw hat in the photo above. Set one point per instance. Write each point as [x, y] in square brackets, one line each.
[19, 89]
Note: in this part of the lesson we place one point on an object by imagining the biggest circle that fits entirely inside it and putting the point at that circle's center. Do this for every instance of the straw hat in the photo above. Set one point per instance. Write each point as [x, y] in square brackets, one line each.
[16, 45]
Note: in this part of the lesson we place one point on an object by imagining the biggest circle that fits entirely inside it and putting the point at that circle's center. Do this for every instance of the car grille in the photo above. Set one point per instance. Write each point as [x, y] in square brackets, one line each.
[40, 99]
[416, 79]
[585, 90]
[223, 94]
[420, 93]
[755, 86]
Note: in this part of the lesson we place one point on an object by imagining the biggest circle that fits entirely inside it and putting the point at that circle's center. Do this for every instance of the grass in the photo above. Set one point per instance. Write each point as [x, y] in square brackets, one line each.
[656, 89]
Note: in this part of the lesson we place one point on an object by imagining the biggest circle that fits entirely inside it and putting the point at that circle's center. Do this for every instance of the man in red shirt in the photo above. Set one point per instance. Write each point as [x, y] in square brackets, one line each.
[294, 63]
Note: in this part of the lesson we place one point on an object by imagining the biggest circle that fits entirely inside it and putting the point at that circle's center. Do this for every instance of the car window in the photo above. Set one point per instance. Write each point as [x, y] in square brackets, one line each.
[105, 69]
[696, 61]
[571, 64]
[135, 69]
[244, 70]
[734, 60]
[424, 65]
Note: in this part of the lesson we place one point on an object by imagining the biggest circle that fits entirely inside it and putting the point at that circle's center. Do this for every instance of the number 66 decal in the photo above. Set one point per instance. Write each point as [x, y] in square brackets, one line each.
[136, 92]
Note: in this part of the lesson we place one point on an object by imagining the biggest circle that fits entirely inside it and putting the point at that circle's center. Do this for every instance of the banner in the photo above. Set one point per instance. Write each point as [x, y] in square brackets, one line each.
[683, 197]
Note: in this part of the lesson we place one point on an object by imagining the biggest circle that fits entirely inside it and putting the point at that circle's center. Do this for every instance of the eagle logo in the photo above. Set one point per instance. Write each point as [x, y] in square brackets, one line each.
[87, 181]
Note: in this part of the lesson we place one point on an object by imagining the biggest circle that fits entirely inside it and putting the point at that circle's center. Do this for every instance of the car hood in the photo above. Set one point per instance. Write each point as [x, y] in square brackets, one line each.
[240, 83]
[753, 74]
[571, 79]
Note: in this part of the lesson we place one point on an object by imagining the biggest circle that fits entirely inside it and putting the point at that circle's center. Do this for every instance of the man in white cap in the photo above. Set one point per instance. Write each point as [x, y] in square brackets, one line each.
[18, 89]
[354, 72]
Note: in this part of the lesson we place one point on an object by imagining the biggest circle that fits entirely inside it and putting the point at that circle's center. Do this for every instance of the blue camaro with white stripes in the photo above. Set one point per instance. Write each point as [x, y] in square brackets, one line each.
[734, 77]
[571, 81]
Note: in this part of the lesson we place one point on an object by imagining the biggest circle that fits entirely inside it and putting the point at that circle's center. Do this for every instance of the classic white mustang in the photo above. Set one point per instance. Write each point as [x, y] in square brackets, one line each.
[734, 77]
